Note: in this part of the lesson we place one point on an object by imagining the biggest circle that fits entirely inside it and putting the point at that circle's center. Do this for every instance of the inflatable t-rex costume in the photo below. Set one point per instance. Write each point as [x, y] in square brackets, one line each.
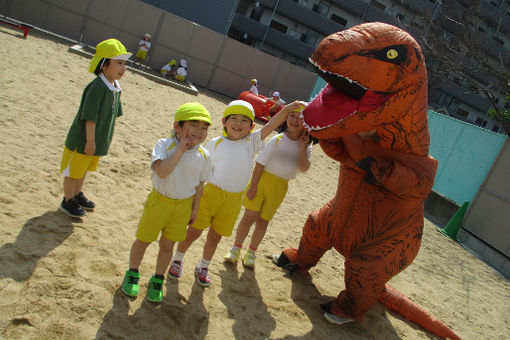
[372, 118]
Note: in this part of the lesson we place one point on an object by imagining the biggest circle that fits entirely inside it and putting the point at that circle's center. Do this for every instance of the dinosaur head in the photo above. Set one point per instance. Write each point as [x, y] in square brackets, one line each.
[376, 79]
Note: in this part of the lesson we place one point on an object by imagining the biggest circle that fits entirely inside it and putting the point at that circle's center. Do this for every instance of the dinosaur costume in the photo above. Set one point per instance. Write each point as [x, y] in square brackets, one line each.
[372, 118]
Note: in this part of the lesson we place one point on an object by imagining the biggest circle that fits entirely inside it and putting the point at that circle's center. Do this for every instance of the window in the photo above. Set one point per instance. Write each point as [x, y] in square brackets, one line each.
[309, 38]
[338, 20]
[322, 8]
[462, 112]
[278, 26]
[481, 122]
[378, 5]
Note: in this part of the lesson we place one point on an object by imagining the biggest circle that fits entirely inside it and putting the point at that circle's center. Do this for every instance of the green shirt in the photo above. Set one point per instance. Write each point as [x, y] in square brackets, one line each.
[98, 104]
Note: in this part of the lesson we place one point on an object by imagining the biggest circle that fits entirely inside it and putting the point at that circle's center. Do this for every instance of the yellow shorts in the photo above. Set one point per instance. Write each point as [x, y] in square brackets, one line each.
[74, 164]
[141, 54]
[166, 215]
[218, 209]
[271, 191]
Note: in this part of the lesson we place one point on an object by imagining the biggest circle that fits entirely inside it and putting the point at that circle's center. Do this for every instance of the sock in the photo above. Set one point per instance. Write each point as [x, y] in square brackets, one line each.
[159, 276]
[239, 246]
[253, 248]
[203, 263]
[178, 256]
[133, 270]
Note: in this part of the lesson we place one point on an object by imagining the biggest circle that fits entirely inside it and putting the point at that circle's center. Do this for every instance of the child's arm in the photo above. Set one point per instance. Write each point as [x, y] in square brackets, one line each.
[90, 144]
[163, 167]
[196, 201]
[255, 177]
[280, 117]
[303, 161]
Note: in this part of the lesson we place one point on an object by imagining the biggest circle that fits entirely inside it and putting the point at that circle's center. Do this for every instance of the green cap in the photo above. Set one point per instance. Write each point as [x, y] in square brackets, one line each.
[240, 107]
[192, 111]
[108, 49]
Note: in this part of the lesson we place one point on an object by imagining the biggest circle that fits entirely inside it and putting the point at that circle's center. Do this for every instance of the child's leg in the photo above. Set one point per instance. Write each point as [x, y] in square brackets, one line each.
[165, 253]
[191, 235]
[244, 226]
[211, 243]
[259, 232]
[137, 251]
[72, 186]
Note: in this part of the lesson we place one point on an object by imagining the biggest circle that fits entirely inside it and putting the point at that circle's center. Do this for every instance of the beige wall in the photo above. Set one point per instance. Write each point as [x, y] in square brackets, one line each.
[214, 60]
[488, 217]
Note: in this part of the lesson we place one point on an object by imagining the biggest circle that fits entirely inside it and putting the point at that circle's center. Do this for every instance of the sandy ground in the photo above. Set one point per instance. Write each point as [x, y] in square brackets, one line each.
[60, 277]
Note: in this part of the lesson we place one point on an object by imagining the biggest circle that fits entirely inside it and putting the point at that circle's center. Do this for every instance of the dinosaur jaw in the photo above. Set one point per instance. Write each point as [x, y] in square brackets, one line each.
[340, 99]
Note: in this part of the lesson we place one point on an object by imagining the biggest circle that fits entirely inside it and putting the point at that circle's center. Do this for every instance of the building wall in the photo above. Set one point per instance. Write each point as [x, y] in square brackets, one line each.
[214, 60]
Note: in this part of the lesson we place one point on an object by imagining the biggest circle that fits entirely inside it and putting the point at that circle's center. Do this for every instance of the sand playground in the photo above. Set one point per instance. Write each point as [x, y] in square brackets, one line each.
[60, 277]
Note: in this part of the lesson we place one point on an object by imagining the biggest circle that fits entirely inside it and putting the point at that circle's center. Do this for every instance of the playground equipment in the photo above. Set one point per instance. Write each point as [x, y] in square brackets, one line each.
[260, 105]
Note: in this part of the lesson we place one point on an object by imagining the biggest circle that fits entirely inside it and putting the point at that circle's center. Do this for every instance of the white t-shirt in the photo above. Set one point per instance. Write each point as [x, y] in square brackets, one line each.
[144, 45]
[232, 161]
[193, 167]
[280, 156]
[182, 71]
[254, 90]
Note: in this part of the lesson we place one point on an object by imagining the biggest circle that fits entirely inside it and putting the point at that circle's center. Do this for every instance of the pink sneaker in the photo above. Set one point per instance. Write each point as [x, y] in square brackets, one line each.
[202, 277]
[175, 270]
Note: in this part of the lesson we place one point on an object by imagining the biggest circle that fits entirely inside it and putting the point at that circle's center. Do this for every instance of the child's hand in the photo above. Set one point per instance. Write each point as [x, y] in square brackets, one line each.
[90, 148]
[304, 139]
[252, 192]
[297, 105]
[185, 141]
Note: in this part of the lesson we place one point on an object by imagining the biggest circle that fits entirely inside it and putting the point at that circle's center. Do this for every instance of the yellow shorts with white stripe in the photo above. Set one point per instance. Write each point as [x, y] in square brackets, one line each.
[166, 215]
[75, 164]
[141, 54]
[219, 209]
[271, 191]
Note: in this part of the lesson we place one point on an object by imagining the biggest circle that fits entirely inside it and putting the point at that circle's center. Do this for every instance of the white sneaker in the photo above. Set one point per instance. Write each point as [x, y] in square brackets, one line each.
[335, 319]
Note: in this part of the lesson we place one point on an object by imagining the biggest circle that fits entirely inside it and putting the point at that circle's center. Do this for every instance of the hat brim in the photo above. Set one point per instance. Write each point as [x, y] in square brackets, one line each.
[124, 56]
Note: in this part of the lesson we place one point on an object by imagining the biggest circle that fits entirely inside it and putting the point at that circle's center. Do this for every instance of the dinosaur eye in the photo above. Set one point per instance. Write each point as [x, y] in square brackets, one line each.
[391, 54]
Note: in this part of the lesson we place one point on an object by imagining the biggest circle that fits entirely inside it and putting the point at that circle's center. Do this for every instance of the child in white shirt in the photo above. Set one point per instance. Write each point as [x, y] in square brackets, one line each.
[277, 163]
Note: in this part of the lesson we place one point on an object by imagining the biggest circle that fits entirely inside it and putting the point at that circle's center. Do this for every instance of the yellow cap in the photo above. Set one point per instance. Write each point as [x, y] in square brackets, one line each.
[240, 107]
[192, 111]
[172, 62]
[108, 49]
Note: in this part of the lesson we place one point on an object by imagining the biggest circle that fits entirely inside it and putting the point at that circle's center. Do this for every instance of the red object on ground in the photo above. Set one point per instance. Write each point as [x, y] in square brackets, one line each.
[260, 105]
[399, 303]
[22, 27]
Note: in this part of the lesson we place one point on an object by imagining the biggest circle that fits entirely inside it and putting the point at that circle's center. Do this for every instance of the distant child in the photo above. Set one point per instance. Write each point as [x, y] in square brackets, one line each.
[182, 71]
[169, 69]
[91, 132]
[180, 165]
[277, 163]
[232, 156]
[144, 46]
[253, 88]
[277, 103]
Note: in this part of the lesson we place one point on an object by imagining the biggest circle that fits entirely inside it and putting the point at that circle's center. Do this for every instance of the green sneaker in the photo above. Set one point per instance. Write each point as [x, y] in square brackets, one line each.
[249, 259]
[155, 290]
[233, 255]
[130, 284]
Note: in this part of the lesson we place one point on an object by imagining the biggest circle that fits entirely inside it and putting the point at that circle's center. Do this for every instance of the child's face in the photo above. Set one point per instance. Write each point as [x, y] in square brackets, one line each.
[114, 70]
[195, 130]
[294, 122]
[237, 126]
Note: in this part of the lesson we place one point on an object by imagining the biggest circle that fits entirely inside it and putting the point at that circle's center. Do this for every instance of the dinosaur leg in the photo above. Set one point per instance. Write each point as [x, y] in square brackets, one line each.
[315, 241]
[366, 273]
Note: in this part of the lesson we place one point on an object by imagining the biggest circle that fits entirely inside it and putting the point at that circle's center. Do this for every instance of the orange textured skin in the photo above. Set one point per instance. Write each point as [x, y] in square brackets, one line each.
[376, 225]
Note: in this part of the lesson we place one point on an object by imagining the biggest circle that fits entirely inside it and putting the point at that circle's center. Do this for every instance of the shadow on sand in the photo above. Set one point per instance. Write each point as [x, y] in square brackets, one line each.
[38, 237]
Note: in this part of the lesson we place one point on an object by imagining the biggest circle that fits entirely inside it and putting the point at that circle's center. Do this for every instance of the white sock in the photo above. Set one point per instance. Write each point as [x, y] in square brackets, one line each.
[203, 263]
[178, 256]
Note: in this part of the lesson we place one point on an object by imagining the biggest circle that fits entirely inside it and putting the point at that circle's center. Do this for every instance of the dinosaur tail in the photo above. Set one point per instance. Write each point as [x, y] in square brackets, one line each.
[399, 303]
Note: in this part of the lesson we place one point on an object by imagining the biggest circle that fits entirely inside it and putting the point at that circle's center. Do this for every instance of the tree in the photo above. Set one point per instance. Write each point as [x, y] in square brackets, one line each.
[455, 38]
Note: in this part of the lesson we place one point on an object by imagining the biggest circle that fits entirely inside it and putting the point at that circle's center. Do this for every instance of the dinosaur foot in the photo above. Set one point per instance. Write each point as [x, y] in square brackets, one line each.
[333, 318]
[283, 261]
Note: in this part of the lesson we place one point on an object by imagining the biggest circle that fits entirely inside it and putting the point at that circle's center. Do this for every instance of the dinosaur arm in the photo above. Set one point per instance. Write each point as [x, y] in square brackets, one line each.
[400, 173]
[334, 149]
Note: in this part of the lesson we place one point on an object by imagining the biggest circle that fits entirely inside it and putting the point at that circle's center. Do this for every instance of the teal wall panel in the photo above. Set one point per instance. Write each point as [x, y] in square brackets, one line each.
[465, 153]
